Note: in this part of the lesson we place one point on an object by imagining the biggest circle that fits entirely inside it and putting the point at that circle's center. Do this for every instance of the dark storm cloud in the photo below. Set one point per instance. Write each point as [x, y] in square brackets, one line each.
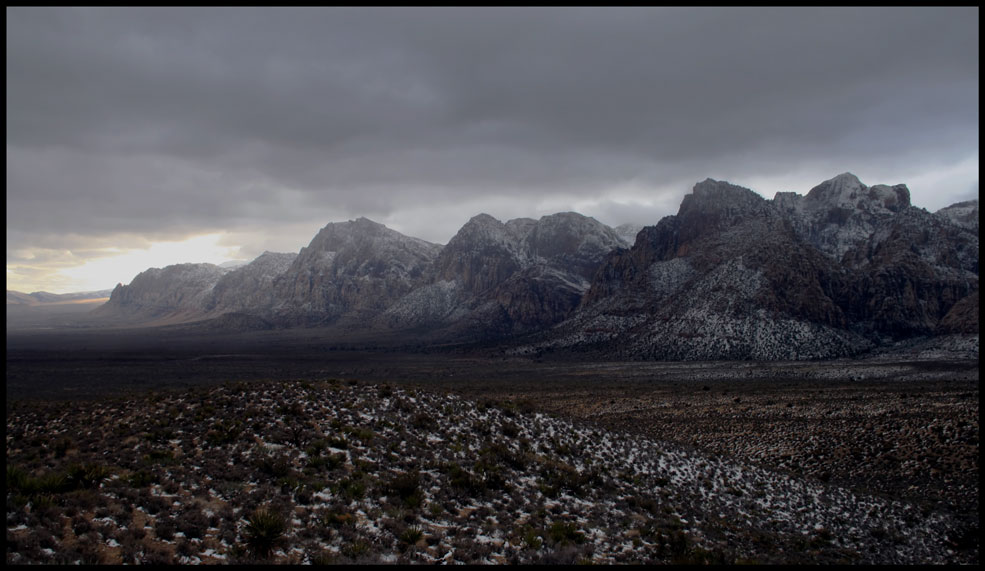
[171, 120]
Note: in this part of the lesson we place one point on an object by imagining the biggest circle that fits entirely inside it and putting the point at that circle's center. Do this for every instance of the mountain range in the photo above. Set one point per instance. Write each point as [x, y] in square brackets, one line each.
[833, 273]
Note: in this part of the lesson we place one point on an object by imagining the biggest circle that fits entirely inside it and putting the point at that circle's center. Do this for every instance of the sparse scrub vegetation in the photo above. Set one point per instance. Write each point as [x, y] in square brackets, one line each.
[436, 479]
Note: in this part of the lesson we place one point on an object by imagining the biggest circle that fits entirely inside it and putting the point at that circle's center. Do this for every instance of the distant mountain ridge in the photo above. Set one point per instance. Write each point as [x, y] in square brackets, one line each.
[39, 297]
[837, 271]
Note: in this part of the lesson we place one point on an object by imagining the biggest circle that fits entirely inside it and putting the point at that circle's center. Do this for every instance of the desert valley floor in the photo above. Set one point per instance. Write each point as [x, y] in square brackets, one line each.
[176, 449]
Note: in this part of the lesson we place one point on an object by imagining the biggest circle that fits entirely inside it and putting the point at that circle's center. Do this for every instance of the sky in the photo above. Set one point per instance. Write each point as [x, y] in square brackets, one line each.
[142, 137]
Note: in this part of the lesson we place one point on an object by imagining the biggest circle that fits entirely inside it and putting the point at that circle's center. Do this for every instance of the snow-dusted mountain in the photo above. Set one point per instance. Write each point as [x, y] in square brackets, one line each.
[733, 275]
[964, 214]
[628, 232]
[250, 287]
[496, 278]
[841, 269]
[162, 295]
[349, 273]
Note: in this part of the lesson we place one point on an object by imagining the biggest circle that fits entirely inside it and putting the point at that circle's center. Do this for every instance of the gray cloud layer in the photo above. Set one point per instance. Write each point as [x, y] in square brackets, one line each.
[167, 121]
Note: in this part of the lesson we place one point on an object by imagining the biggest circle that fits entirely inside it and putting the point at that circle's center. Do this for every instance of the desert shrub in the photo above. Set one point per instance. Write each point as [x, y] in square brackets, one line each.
[303, 495]
[130, 551]
[192, 522]
[264, 530]
[338, 518]
[530, 538]
[49, 483]
[81, 525]
[462, 479]
[647, 504]
[557, 478]
[362, 433]
[406, 486]
[224, 432]
[61, 446]
[87, 476]
[699, 556]
[274, 466]
[323, 558]
[159, 457]
[151, 503]
[500, 453]
[293, 410]
[89, 550]
[316, 447]
[491, 475]
[327, 462]
[423, 421]
[510, 430]
[356, 549]
[154, 555]
[411, 535]
[186, 548]
[43, 504]
[338, 442]
[141, 479]
[164, 528]
[17, 478]
[298, 433]
[402, 405]
[352, 488]
[562, 532]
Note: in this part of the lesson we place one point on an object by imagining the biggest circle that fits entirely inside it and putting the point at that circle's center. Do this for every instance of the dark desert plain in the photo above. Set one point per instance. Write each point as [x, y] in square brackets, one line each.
[900, 426]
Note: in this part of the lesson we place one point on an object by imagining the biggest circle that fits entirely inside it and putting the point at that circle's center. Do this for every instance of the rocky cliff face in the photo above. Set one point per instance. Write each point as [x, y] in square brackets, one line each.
[841, 213]
[733, 275]
[350, 272]
[496, 278]
[177, 292]
[249, 288]
[831, 273]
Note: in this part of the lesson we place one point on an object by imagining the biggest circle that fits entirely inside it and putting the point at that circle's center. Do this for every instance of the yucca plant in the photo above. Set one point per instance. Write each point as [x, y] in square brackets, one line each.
[410, 536]
[87, 476]
[17, 479]
[264, 529]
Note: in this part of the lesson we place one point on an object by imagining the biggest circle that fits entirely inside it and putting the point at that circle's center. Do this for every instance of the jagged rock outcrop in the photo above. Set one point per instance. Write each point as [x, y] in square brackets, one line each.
[482, 255]
[733, 275]
[178, 293]
[841, 213]
[495, 278]
[349, 273]
[910, 273]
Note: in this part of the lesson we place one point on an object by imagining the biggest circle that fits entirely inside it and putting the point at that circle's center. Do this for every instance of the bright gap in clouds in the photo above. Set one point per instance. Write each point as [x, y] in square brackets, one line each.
[105, 273]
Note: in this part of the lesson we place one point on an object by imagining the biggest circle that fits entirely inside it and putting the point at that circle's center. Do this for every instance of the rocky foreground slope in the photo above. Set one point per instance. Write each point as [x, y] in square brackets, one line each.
[833, 273]
[327, 472]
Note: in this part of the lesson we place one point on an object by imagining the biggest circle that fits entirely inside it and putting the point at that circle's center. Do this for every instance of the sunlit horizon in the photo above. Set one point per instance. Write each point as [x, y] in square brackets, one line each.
[121, 265]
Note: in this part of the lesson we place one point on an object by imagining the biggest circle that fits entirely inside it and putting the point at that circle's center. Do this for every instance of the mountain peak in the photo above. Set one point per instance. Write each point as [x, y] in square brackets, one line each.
[720, 199]
[842, 190]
